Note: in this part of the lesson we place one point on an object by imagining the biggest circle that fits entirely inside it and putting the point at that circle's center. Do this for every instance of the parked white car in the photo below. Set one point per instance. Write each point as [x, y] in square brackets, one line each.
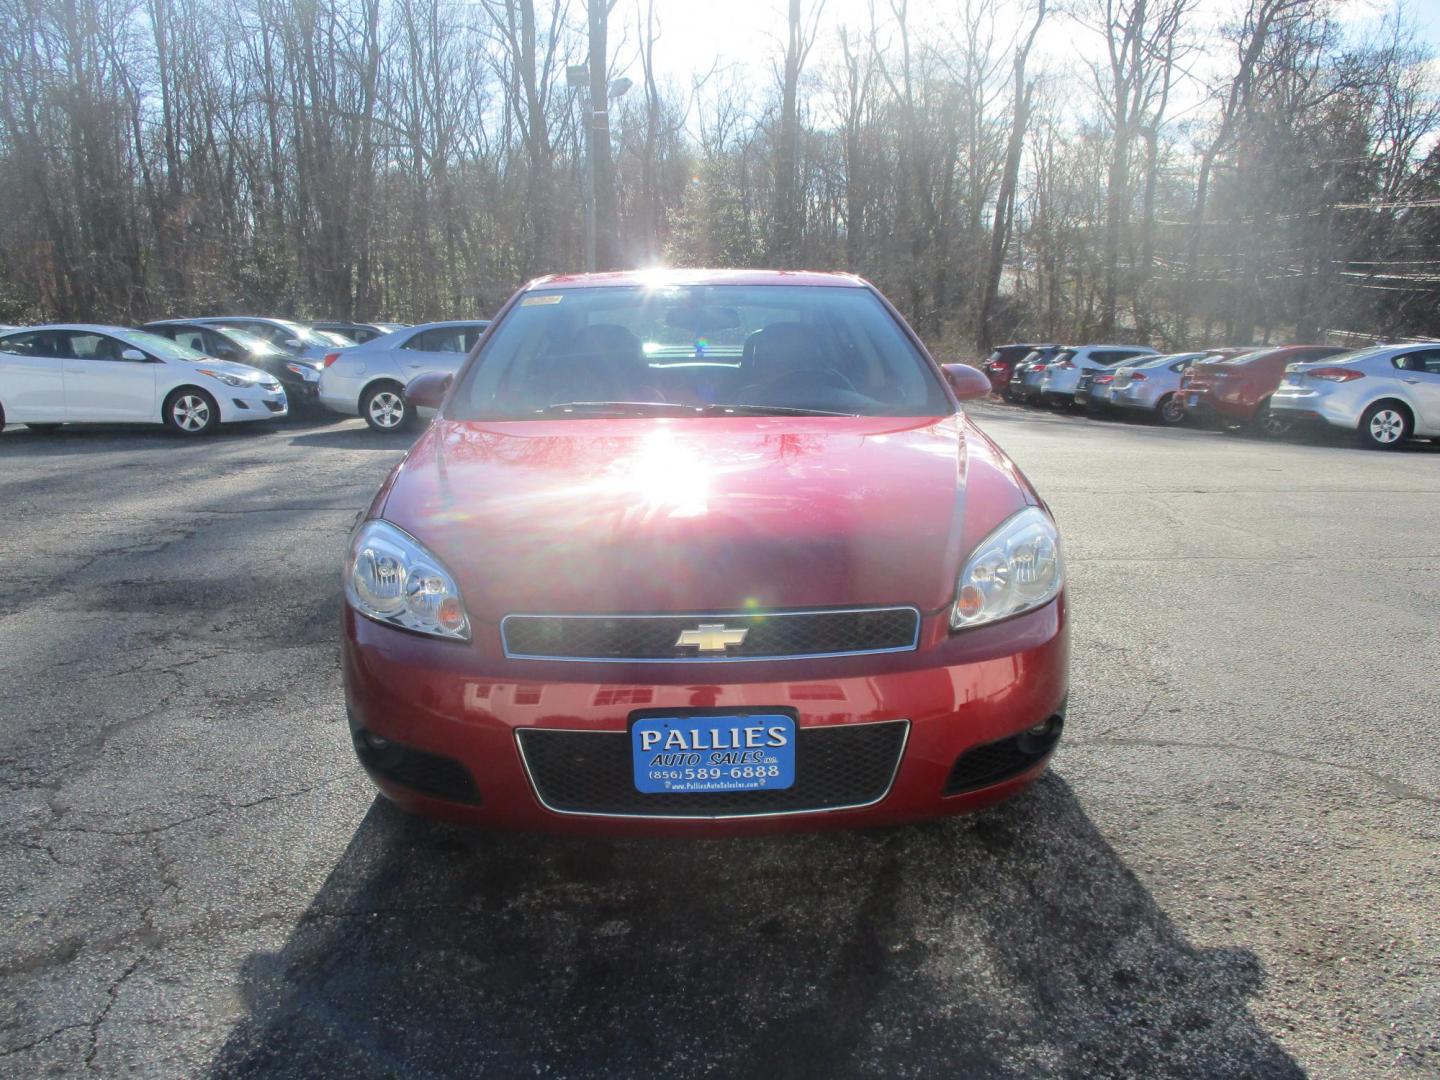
[369, 380]
[77, 373]
[1062, 374]
[1385, 395]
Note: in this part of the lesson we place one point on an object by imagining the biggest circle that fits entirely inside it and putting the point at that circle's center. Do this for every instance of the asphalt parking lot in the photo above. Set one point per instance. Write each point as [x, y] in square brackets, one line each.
[1233, 867]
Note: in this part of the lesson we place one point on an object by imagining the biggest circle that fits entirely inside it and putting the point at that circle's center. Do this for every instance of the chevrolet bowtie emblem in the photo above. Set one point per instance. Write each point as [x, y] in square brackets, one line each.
[711, 637]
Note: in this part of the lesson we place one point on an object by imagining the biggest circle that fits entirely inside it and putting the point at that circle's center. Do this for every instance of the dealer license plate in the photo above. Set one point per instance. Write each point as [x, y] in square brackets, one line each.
[737, 752]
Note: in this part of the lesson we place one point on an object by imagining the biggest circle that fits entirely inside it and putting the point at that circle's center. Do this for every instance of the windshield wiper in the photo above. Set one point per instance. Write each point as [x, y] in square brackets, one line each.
[645, 408]
[770, 410]
[620, 408]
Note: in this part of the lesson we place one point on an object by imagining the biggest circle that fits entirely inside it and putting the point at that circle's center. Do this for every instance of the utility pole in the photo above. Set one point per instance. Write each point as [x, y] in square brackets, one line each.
[596, 126]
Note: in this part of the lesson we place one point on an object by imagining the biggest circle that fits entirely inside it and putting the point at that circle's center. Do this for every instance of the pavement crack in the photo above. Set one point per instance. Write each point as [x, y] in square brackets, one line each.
[22, 1047]
[214, 811]
[112, 993]
[1393, 786]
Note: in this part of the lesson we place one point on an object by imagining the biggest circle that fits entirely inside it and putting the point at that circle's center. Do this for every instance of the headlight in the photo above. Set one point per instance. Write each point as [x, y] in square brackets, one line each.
[390, 577]
[226, 377]
[1016, 568]
[305, 371]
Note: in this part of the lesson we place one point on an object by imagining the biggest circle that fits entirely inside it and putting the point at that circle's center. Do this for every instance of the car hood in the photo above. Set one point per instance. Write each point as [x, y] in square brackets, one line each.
[715, 514]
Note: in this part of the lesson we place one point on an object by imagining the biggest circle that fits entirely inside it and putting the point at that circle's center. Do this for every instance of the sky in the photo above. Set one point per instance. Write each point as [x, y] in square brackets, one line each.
[748, 34]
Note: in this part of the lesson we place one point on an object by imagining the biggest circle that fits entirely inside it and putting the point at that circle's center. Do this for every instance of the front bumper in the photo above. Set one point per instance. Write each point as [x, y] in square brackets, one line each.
[241, 404]
[463, 705]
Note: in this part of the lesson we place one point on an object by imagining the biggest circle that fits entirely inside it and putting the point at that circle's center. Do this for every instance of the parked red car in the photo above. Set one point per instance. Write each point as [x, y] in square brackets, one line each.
[1000, 364]
[695, 552]
[1237, 390]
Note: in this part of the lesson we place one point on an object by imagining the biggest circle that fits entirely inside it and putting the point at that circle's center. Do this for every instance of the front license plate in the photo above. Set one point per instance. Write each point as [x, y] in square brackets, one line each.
[741, 752]
[1192, 401]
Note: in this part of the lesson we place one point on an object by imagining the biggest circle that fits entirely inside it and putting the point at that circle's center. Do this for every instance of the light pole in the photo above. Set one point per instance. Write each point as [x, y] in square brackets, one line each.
[577, 76]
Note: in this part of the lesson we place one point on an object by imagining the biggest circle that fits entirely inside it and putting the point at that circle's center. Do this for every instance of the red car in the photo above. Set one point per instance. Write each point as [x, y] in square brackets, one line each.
[691, 552]
[1000, 364]
[1237, 389]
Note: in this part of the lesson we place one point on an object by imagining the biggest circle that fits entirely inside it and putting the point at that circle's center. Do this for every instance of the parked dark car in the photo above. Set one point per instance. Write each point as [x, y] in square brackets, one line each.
[1236, 392]
[240, 347]
[357, 332]
[1030, 370]
[1001, 363]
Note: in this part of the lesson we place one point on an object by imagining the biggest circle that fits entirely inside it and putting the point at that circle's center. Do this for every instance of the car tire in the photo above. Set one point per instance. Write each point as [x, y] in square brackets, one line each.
[385, 409]
[189, 411]
[2, 418]
[1271, 424]
[1385, 426]
[1170, 412]
[43, 429]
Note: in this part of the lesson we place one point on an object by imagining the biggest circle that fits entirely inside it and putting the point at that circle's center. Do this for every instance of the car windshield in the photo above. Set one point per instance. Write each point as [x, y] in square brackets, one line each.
[698, 350]
[307, 336]
[162, 347]
[334, 337]
[255, 346]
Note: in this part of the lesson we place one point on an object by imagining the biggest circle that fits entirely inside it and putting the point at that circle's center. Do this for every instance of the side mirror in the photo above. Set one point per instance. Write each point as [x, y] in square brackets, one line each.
[293, 344]
[427, 391]
[134, 356]
[967, 382]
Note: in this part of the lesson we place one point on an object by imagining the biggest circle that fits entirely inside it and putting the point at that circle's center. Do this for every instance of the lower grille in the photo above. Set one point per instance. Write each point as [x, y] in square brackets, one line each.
[840, 766]
[981, 766]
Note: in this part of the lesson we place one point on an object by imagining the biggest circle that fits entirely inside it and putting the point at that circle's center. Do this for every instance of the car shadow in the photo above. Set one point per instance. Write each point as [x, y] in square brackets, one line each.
[356, 436]
[79, 439]
[1013, 942]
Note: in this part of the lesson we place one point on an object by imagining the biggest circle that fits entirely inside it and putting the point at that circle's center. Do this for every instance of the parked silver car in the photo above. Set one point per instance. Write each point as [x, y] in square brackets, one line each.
[1151, 384]
[1062, 374]
[1385, 394]
[369, 380]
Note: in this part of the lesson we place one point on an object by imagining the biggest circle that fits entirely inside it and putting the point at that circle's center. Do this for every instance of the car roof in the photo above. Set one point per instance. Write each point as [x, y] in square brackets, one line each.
[87, 328]
[663, 277]
[227, 318]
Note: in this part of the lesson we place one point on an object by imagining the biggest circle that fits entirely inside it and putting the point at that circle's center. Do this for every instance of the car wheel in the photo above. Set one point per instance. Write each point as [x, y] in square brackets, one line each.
[191, 411]
[2, 418]
[1170, 411]
[1384, 426]
[385, 409]
[1270, 423]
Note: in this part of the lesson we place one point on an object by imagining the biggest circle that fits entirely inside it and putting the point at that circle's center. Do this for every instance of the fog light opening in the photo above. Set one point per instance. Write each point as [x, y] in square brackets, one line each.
[1040, 739]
